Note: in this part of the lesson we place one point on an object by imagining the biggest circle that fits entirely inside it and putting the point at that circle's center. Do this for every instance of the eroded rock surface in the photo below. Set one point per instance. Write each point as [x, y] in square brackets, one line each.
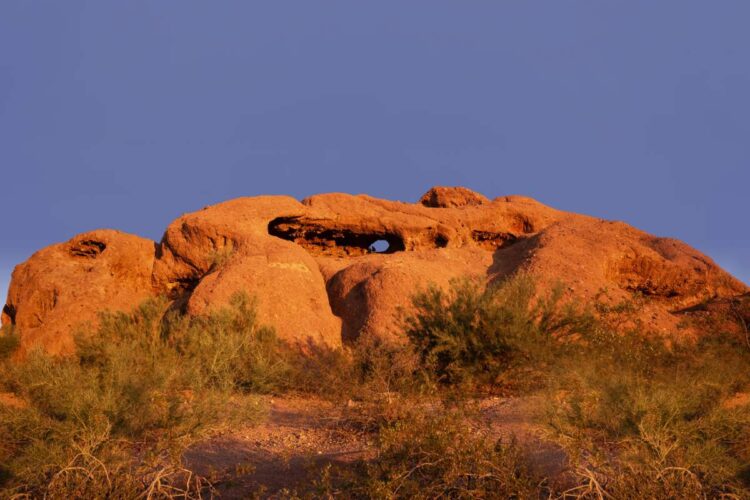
[65, 285]
[207, 256]
[451, 197]
[337, 266]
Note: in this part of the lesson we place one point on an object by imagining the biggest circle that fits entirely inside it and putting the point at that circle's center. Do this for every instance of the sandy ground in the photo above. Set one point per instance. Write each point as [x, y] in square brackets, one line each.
[301, 437]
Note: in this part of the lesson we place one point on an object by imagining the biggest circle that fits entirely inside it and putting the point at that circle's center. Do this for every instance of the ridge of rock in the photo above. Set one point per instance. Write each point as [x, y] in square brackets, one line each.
[337, 266]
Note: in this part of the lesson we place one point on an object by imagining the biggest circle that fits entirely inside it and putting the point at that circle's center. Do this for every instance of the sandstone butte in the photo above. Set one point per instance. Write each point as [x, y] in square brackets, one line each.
[316, 278]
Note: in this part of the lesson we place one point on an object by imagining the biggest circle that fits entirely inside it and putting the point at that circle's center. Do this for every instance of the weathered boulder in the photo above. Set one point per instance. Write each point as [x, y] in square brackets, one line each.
[337, 266]
[64, 286]
[207, 256]
[372, 295]
[590, 256]
[451, 197]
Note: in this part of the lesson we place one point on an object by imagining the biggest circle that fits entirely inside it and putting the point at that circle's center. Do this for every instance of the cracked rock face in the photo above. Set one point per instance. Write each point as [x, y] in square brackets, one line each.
[336, 266]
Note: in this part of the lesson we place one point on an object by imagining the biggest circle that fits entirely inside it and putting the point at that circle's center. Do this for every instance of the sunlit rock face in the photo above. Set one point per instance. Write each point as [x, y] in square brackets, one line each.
[61, 288]
[336, 266]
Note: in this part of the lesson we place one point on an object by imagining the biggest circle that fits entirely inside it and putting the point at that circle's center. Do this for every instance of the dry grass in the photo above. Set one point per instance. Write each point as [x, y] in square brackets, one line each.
[434, 452]
[113, 420]
[647, 422]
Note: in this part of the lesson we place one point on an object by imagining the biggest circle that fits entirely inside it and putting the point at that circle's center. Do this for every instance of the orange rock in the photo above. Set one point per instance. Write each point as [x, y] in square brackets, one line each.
[337, 266]
[451, 197]
[207, 256]
[64, 286]
[369, 294]
[589, 255]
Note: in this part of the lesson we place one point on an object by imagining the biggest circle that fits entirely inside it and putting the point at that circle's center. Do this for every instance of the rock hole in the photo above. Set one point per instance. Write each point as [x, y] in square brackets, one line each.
[441, 241]
[9, 314]
[379, 246]
[88, 248]
[321, 237]
[492, 241]
[182, 286]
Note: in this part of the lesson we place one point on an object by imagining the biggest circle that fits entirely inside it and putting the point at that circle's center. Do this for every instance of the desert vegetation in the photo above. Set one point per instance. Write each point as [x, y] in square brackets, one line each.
[112, 420]
[634, 415]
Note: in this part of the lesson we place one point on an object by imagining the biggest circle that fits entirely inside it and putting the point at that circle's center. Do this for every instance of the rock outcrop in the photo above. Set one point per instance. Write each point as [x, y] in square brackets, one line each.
[451, 197]
[66, 285]
[207, 256]
[337, 266]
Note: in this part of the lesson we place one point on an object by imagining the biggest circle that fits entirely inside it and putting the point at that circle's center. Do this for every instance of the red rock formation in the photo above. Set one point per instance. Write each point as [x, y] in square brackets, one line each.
[207, 256]
[451, 197]
[316, 276]
[64, 285]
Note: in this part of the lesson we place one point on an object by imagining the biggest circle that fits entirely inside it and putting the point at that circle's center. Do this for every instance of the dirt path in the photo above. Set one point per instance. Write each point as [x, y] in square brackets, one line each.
[301, 437]
[513, 418]
[298, 439]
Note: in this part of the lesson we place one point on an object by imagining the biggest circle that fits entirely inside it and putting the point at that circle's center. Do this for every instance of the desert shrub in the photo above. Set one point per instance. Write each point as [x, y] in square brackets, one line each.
[219, 257]
[9, 341]
[369, 369]
[435, 452]
[319, 371]
[371, 381]
[113, 419]
[382, 368]
[229, 350]
[640, 417]
[486, 334]
[642, 421]
[740, 313]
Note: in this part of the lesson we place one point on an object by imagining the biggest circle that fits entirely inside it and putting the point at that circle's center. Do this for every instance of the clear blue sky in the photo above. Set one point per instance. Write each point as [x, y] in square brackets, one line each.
[127, 114]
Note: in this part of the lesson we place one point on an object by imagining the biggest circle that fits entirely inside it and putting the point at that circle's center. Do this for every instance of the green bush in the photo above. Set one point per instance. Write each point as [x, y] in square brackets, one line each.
[484, 334]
